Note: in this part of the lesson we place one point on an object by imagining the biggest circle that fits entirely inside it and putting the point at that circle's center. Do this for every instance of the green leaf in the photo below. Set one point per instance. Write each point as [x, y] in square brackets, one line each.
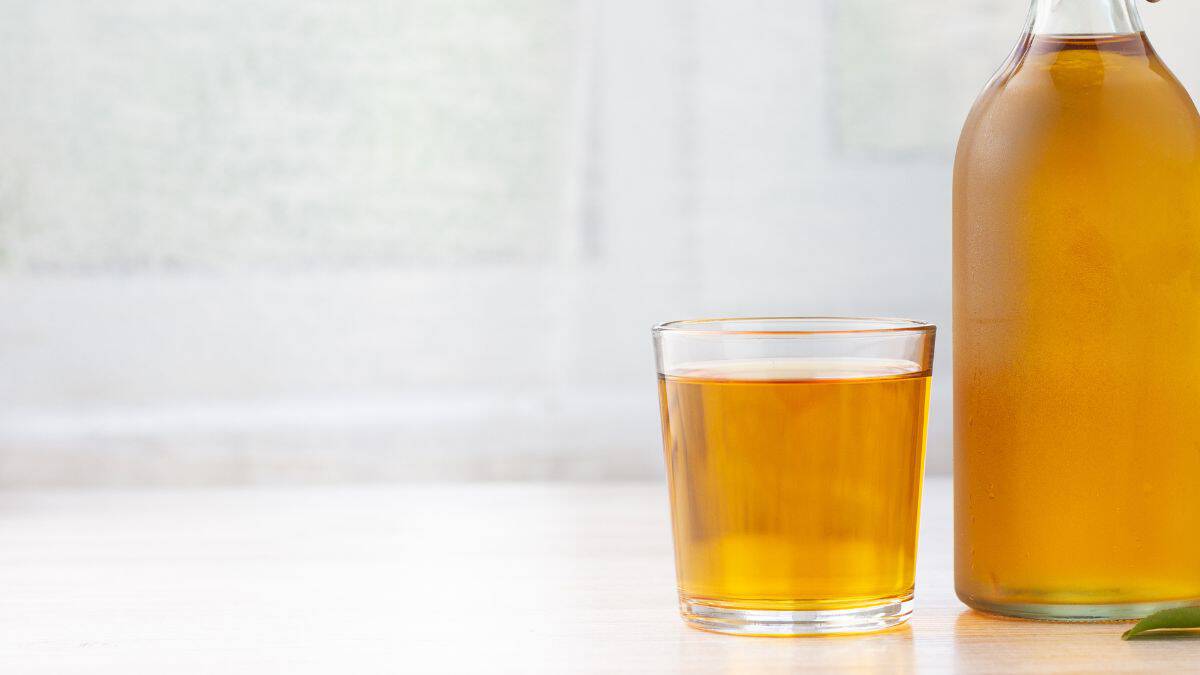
[1179, 617]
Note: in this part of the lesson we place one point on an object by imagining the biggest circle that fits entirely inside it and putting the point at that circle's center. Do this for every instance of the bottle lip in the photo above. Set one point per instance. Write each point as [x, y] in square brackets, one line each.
[794, 326]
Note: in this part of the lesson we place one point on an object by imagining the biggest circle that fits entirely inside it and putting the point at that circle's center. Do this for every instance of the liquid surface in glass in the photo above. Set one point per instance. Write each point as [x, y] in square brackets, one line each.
[795, 483]
[1077, 331]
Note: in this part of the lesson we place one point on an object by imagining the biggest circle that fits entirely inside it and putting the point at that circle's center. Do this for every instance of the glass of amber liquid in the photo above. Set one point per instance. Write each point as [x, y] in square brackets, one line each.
[794, 452]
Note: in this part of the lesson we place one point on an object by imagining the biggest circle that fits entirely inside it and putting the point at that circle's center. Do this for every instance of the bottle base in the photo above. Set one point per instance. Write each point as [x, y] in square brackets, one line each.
[789, 623]
[1127, 611]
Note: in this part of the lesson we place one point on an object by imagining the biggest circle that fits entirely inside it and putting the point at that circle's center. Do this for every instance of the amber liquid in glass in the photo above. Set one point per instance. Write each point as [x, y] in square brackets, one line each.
[1077, 333]
[795, 483]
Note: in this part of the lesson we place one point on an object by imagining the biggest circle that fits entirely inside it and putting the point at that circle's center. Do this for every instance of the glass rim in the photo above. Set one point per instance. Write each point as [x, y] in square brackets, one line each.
[866, 326]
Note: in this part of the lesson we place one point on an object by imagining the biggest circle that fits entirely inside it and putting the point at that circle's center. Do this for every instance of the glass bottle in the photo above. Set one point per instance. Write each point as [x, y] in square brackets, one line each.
[1077, 326]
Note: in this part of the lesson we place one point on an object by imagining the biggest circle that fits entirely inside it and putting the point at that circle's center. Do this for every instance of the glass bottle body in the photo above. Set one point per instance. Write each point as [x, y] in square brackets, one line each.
[1077, 327]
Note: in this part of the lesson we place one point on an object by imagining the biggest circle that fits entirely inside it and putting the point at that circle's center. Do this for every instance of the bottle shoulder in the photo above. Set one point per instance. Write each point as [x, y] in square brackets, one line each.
[1126, 102]
[1087, 76]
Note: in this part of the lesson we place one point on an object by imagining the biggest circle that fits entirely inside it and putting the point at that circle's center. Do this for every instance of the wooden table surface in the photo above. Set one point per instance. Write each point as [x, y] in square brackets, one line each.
[445, 578]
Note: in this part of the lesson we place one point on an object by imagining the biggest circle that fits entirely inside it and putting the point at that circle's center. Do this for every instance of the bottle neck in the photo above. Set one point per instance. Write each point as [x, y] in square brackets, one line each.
[1084, 17]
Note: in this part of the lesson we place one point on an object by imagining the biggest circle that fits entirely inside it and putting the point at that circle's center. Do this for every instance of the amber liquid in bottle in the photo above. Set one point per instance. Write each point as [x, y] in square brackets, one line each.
[1077, 335]
[795, 483]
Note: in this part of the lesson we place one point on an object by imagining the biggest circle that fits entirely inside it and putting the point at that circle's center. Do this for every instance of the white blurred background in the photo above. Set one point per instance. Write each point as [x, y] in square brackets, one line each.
[311, 241]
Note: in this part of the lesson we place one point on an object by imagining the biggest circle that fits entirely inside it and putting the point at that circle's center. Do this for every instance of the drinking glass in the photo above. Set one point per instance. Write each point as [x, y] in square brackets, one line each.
[794, 451]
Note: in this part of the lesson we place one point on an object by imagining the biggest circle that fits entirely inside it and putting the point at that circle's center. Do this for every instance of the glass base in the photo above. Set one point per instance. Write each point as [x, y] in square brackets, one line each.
[783, 623]
[1079, 613]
